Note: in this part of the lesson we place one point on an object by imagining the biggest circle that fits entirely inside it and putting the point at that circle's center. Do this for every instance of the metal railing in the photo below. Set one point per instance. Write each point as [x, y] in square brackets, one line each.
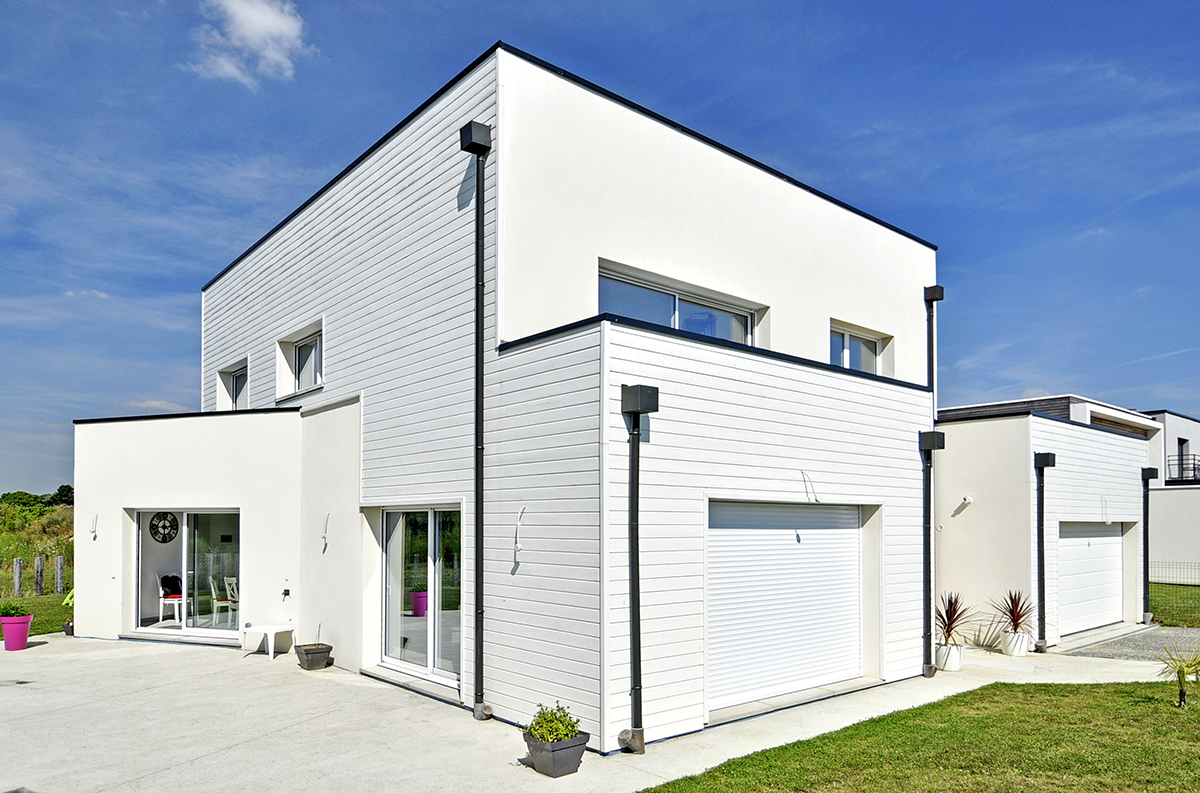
[1183, 467]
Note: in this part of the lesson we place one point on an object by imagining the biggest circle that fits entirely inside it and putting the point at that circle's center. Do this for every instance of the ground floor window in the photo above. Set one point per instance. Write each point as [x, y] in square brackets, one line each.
[422, 614]
[189, 563]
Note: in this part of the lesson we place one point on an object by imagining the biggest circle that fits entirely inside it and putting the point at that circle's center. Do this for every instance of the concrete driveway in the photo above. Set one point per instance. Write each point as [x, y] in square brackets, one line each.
[90, 715]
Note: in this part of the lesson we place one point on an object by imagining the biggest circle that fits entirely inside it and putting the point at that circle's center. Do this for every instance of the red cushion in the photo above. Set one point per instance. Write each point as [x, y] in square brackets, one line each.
[173, 597]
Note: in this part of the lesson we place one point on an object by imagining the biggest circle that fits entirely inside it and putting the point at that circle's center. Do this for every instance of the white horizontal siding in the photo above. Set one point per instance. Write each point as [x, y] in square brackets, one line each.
[740, 426]
[386, 258]
[1096, 479]
[542, 602]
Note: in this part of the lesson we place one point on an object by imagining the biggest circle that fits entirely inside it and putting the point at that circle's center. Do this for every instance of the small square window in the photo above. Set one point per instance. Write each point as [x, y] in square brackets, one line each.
[852, 351]
[300, 361]
[233, 391]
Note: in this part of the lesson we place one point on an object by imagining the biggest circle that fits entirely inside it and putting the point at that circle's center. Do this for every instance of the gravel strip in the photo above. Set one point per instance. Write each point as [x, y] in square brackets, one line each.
[1143, 645]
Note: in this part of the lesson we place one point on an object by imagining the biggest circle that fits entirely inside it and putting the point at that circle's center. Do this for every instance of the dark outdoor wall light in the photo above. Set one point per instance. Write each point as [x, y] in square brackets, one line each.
[1041, 461]
[635, 400]
[476, 138]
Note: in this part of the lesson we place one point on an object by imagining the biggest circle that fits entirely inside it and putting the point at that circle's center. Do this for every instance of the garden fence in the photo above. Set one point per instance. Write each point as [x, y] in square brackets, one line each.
[16, 572]
[1175, 593]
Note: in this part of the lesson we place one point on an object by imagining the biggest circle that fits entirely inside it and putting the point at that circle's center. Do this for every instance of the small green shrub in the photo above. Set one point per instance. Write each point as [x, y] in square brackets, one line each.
[553, 724]
[1178, 664]
[12, 610]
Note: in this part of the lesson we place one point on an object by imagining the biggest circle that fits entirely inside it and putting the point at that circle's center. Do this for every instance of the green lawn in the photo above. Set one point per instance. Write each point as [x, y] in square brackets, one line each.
[1175, 606]
[1004, 737]
[49, 613]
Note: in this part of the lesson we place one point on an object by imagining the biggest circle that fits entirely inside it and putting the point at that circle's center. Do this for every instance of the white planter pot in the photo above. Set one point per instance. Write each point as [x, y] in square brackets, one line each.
[949, 657]
[1014, 643]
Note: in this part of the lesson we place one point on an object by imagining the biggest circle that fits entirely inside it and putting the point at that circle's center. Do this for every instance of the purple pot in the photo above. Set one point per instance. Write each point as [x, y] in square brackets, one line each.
[16, 631]
[420, 601]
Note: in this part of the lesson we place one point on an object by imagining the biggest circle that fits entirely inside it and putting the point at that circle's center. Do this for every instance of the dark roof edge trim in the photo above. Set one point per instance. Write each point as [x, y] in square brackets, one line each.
[500, 45]
[683, 334]
[156, 416]
[1172, 412]
[1017, 413]
[536, 61]
[374, 147]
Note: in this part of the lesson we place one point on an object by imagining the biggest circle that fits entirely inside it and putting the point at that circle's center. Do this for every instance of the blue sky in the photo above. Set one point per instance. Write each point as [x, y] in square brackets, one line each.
[1051, 150]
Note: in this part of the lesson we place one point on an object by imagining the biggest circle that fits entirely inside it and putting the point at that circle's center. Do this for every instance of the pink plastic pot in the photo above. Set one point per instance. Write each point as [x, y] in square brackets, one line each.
[16, 631]
[420, 601]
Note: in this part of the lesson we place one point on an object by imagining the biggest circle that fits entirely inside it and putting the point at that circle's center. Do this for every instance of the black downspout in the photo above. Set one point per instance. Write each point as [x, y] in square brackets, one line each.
[929, 442]
[635, 400]
[476, 139]
[1041, 461]
[1147, 475]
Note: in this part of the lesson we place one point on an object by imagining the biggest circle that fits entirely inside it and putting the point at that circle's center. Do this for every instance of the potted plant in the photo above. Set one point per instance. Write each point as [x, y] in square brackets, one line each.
[555, 742]
[313, 656]
[15, 621]
[1015, 612]
[952, 617]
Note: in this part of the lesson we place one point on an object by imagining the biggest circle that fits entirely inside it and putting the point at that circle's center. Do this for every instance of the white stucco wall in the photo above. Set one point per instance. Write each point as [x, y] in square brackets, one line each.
[984, 550]
[330, 589]
[1175, 525]
[585, 178]
[243, 461]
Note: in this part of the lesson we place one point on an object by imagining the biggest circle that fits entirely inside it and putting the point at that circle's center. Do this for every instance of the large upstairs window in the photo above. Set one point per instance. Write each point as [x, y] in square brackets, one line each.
[673, 310]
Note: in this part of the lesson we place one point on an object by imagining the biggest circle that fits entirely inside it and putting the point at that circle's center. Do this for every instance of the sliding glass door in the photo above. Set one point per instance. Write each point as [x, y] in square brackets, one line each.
[189, 565]
[422, 617]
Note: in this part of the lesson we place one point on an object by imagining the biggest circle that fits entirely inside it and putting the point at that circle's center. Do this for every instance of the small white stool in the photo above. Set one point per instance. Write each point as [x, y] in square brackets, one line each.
[269, 632]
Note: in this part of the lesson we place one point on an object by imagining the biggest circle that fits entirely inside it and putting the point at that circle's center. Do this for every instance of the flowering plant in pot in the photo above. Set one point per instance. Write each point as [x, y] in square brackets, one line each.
[952, 616]
[555, 741]
[15, 621]
[1015, 611]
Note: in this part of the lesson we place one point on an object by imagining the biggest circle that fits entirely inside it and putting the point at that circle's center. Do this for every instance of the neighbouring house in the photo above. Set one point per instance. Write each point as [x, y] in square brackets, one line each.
[330, 481]
[1090, 457]
[1175, 501]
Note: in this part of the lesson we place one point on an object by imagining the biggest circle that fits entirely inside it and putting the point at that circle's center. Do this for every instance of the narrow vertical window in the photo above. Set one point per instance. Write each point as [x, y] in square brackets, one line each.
[308, 363]
[238, 397]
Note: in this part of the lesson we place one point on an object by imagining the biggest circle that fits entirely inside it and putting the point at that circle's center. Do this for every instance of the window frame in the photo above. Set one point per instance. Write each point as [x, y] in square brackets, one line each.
[239, 399]
[318, 377]
[288, 384]
[750, 315]
[226, 385]
[847, 335]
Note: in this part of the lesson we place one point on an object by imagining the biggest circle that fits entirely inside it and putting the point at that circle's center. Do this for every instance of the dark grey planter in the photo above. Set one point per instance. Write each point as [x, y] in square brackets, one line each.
[313, 656]
[559, 758]
[69, 628]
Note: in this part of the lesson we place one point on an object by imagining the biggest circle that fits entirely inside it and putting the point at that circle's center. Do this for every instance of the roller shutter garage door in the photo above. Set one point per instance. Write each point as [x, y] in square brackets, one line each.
[784, 599]
[1090, 576]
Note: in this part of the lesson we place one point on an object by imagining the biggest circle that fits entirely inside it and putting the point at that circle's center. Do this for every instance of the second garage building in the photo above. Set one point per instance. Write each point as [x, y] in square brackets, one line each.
[1090, 457]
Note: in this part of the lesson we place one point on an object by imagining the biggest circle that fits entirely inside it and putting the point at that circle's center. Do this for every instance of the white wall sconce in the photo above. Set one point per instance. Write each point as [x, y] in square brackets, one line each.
[966, 502]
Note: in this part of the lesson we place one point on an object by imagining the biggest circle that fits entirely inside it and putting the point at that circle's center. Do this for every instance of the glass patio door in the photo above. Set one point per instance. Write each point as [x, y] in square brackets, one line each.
[422, 617]
[212, 562]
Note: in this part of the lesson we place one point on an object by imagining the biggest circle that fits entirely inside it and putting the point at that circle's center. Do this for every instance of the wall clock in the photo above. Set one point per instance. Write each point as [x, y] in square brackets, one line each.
[164, 526]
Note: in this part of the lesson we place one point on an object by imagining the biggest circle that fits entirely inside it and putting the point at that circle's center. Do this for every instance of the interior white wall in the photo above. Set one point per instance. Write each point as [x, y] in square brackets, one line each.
[329, 591]
[248, 462]
[586, 178]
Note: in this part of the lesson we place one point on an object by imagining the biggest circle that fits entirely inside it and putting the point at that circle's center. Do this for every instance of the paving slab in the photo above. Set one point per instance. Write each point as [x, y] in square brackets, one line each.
[91, 715]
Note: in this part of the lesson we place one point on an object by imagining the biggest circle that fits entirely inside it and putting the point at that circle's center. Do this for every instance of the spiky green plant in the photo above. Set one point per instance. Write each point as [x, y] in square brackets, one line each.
[952, 617]
[1015, 610]
[1178, 664]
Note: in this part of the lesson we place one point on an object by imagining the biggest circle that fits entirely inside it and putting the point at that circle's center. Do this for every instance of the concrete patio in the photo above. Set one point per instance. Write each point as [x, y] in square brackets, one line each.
[90, 715]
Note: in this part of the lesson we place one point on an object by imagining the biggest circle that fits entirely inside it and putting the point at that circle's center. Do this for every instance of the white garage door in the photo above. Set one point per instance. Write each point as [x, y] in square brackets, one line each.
[1090, 576]
[784, 599]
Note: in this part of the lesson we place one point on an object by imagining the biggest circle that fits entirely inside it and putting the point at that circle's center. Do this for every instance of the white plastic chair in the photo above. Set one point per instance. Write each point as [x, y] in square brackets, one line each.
[220, 602]
[174, 601]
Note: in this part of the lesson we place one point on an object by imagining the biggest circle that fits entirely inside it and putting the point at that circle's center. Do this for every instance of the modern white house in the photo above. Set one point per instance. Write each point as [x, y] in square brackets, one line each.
[482, 285]
[1175, 501]
[1071, 464]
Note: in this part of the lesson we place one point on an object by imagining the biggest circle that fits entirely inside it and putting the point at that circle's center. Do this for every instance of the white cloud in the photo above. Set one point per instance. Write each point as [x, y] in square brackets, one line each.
[86, 293]
[254, 36]
[158, 406]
